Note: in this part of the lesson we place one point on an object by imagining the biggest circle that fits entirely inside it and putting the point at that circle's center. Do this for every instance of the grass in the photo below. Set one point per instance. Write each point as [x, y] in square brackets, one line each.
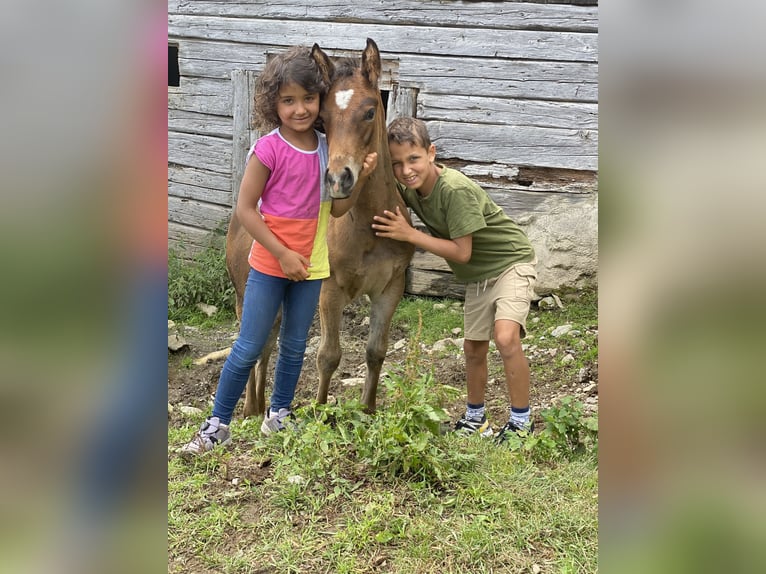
[504, 514]
[356, 494]
[350, 493]
[439, 317]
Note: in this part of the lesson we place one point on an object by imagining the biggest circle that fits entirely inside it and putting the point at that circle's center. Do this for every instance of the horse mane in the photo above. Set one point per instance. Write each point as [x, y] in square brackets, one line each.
[344, 68]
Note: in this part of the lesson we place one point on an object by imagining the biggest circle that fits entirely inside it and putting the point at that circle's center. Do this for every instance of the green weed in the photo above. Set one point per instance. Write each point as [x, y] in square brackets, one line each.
[203, 279]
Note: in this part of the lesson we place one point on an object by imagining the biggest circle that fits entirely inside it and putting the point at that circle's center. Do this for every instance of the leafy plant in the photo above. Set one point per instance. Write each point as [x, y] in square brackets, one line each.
[202, 279]
[567, 433]
[404, 438]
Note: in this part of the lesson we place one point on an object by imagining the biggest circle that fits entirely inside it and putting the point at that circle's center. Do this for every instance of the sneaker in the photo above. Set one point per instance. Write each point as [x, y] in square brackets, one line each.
[275, 422]
[511, 427]
[471, 426]
[212, 432]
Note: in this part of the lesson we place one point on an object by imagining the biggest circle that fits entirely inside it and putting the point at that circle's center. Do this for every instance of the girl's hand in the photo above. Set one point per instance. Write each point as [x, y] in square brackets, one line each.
[392, 225]
[294, 266]
[370, 163]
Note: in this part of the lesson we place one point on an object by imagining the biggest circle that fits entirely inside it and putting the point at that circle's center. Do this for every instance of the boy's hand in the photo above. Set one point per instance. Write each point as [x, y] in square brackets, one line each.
[392, 225]
[370, 163]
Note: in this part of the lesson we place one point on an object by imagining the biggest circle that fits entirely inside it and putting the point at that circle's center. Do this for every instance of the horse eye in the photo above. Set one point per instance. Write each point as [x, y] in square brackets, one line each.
[370, 114]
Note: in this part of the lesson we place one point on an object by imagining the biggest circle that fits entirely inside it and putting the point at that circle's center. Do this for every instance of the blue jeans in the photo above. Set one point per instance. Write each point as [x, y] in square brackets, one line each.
[264, 294]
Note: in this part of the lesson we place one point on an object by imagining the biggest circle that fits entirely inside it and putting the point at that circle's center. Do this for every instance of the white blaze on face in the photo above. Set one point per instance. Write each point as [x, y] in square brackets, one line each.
[343, 97]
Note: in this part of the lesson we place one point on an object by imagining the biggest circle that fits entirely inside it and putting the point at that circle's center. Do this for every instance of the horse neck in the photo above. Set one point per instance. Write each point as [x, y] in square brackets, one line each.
[379, 191]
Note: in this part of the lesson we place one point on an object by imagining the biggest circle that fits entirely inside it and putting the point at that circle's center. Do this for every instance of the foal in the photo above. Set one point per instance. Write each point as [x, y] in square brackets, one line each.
[360, 262]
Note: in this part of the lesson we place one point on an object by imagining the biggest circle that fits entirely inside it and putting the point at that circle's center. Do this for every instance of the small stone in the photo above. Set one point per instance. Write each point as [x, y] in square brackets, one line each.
[352, 382]
[561, 330]
[208, 310]
[443, 344]
[456, 331]
[439, 306]
[567, 359]
[190, 411]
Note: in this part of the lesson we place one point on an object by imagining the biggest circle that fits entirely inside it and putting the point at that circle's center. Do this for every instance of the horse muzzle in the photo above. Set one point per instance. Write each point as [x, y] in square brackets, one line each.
[340, 183]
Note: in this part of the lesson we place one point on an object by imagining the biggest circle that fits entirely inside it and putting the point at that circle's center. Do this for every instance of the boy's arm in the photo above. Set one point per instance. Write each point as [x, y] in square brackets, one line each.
[395, 226]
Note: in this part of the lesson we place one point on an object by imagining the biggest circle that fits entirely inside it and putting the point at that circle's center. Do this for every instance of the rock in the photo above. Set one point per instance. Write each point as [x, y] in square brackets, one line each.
[400, 344]
[443, 344]
[208, 310]
[567, 359]
[582, 374]
[561, 330]
[546, 303]
[352, 382]
[190, 411]
[176, 342]
[439, 306]
[456, 331]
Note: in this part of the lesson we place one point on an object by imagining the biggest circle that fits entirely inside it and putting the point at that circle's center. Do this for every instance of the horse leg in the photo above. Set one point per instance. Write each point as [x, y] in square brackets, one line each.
[255, 391]
[332, 300]
[381, 311]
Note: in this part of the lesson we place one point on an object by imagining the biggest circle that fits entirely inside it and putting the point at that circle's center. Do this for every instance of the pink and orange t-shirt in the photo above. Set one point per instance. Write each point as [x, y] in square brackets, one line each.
[294, 203]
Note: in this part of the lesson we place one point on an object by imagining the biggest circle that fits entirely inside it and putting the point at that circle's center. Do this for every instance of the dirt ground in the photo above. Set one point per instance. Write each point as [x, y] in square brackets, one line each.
[194, 385]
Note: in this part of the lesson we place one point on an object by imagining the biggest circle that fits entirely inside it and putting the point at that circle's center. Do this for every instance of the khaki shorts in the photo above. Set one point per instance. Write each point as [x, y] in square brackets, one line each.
[507, 296]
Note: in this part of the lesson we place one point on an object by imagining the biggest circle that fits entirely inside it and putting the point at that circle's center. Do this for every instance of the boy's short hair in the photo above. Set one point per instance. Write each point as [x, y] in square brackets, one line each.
[409, 130]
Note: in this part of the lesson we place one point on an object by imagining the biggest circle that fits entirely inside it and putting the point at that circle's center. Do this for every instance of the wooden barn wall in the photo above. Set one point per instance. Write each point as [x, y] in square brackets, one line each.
[509, 91]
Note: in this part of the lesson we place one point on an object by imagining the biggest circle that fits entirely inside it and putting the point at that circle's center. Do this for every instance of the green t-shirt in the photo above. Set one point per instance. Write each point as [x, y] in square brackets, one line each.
[458, 206]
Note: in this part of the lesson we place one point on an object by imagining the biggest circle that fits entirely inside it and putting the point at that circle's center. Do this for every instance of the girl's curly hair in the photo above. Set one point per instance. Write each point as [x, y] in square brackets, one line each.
[292, 66]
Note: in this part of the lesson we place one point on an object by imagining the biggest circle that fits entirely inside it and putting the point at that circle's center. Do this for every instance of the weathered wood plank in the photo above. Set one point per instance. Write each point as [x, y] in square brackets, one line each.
[199, 123]
[203, 152]
[428, 283]
[559, 81]
[203, 95]
[519, 204]
[526, 179]
[522, 145]
[187, 240]
[510, 15]
[243, 84]
[564, 115]
[485, 42]
[402, 103]
[197, 214]
[204, 194]
[199, 177]
[216, 59]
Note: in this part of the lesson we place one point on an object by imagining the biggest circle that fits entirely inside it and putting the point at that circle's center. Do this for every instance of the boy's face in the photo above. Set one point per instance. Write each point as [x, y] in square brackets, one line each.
[414, 166]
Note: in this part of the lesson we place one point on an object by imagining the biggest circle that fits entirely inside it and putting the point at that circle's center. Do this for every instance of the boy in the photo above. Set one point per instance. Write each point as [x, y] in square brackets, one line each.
[486, 250]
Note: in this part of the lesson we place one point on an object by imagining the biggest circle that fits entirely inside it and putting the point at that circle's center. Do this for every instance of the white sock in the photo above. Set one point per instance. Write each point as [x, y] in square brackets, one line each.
[474, 412]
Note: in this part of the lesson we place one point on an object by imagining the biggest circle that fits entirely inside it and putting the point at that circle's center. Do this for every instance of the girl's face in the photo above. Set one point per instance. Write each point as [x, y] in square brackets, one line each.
[414, 166]
[297, 109]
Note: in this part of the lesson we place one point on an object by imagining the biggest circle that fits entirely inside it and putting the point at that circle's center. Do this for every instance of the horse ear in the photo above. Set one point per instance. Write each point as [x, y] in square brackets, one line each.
[371, 62]
[326, 67]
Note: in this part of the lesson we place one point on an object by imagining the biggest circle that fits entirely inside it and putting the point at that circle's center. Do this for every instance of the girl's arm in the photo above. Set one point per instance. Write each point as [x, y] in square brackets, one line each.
[395, 226]
[341, 206]
[293, 264]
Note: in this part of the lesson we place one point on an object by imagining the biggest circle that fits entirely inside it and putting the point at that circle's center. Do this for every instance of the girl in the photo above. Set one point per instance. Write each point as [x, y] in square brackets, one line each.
[284, 208]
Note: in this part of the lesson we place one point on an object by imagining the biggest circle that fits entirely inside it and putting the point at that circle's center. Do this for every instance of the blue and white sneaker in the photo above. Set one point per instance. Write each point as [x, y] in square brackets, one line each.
[211, 434]
[275, 421]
